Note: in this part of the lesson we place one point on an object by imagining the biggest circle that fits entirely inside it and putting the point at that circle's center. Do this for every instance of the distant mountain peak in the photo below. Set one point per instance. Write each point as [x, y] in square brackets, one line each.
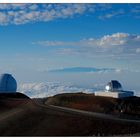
[81, 69]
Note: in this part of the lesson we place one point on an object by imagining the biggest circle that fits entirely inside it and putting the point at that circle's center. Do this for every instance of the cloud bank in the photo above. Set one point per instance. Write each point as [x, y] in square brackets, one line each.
[116, 43]
[38, 90]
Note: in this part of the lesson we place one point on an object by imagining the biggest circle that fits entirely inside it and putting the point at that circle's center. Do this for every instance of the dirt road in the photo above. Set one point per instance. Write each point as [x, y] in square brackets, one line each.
[88, 113]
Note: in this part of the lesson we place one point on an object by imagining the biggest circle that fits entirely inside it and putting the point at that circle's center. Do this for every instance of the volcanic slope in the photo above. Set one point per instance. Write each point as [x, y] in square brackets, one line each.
[34, 119]
[90, 102]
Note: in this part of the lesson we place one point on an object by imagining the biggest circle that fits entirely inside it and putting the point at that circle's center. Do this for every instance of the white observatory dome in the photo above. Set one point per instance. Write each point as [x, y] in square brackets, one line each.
[7, 83]
[113, 85]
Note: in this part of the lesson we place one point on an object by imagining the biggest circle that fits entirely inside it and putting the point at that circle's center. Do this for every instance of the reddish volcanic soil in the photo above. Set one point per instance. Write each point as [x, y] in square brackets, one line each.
[90, 102]
[31, 119]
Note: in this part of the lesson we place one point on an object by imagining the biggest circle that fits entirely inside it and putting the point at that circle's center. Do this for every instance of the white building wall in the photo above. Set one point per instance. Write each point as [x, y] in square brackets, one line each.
[120, 94]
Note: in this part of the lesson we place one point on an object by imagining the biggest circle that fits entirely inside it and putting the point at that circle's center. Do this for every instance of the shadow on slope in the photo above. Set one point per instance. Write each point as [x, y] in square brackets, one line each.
[12, 100]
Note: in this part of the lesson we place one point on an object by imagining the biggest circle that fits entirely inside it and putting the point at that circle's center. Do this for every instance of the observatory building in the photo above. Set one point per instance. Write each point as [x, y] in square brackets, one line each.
[7, 83]
[114, 89]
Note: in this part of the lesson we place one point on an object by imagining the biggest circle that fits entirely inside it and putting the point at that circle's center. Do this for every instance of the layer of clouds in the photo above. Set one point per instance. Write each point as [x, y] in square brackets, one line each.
[25, 13]
[38, 90]
[116, 43]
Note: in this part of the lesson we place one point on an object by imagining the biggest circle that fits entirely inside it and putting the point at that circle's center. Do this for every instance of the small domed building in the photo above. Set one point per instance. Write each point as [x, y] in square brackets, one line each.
[114, 89]
[113, 85]
[8, 83]
[9, 97]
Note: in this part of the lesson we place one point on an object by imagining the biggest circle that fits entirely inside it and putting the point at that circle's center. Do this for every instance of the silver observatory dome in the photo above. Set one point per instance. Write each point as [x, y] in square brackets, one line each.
[7, 83]
[113, 85]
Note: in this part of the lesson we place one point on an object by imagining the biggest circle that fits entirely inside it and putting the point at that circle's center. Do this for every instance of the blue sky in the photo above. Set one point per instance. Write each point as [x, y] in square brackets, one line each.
[38, 38]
